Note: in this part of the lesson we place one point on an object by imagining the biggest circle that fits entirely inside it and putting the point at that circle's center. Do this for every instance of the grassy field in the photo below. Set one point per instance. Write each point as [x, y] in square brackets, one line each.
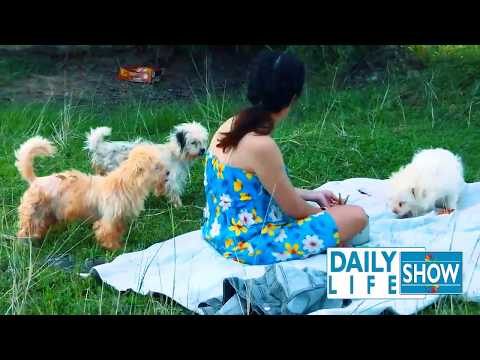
[330, 135]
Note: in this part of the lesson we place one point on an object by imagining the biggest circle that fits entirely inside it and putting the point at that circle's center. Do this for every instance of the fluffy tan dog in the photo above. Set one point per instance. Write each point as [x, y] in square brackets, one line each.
[108, 201]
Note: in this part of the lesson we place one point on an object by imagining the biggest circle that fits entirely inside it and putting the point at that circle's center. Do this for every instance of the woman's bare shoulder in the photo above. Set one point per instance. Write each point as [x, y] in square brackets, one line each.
[256, 152]
[260, 144]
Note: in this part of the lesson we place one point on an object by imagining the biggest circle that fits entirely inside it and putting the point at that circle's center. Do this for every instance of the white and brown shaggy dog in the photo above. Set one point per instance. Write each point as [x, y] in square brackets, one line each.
[433, 179]
[107, 201]
[185, 143]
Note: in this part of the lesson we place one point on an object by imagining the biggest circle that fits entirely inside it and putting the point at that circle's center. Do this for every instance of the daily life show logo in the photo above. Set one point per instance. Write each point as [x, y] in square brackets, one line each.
[392, 273]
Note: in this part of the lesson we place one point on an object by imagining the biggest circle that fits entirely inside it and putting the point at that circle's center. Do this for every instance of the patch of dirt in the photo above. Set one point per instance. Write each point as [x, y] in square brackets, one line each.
[89, 75]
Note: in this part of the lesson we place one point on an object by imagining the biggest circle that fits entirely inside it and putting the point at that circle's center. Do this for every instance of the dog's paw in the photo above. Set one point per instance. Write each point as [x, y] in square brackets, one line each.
[108, 234]
[445, 211]
[177, 202]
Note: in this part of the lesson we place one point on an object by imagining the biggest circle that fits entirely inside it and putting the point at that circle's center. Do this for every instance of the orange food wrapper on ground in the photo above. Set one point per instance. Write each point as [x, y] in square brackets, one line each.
[141, 74]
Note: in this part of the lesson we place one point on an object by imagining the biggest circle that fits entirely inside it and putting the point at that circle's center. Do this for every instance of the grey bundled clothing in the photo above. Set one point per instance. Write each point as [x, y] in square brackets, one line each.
[282, 290]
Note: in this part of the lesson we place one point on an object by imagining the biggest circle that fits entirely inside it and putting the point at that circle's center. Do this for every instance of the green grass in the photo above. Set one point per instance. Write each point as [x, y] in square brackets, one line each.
[330, 135]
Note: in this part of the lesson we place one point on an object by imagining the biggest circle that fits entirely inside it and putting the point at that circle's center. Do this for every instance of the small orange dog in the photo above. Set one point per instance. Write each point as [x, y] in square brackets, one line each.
[109, 201]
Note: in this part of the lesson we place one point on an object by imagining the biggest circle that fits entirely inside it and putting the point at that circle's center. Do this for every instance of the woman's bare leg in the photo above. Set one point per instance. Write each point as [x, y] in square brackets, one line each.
[350, 220]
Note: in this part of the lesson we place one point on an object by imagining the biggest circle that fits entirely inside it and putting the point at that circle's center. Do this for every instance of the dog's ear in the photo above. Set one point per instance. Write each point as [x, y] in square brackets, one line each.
[181, 139]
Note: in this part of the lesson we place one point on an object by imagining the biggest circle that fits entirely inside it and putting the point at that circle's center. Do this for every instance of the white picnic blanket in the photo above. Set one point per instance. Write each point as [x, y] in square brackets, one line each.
[190, 271]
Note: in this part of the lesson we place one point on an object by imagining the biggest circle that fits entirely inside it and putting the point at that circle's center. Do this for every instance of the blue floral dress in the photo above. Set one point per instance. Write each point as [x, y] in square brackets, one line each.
[243, 222]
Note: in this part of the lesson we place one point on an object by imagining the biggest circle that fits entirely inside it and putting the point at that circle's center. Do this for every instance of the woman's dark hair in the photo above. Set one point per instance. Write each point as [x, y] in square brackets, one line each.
[274, 81]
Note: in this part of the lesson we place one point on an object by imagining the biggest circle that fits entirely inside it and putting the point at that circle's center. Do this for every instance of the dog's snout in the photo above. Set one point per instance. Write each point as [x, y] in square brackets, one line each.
[202, 151]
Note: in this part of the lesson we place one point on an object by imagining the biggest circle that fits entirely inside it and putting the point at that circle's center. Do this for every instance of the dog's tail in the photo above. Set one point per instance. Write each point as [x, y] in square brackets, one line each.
[36, 146]
[96, 137]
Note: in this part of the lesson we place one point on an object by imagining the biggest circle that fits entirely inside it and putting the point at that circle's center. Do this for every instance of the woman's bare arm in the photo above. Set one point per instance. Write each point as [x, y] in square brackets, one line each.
[267, 162]
[307, 195]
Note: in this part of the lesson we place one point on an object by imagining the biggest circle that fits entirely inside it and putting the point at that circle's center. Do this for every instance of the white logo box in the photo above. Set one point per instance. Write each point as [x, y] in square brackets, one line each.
[380, 287]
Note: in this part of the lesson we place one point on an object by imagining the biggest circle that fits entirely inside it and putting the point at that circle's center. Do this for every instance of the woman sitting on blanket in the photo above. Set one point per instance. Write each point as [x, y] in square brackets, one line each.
[253, 214]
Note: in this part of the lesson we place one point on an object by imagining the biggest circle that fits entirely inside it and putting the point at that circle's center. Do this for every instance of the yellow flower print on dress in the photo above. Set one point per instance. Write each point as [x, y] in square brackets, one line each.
[214, 163]
[227, 254]
[245, 197]
[237, 228]
[217, 211]
[242, 245]
[220, 168]
[256, 218]
[336, 236]
[237, 185]
[270, 229]
[248, 175]
[228, 243]
[301, 221]
[292, 250]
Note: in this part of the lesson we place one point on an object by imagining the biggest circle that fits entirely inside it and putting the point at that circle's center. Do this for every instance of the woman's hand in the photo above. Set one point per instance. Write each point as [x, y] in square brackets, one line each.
[323, 198]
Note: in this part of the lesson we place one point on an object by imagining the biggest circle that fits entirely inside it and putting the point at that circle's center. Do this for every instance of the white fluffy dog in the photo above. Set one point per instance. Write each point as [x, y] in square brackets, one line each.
[434, 178]
[185, 143]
